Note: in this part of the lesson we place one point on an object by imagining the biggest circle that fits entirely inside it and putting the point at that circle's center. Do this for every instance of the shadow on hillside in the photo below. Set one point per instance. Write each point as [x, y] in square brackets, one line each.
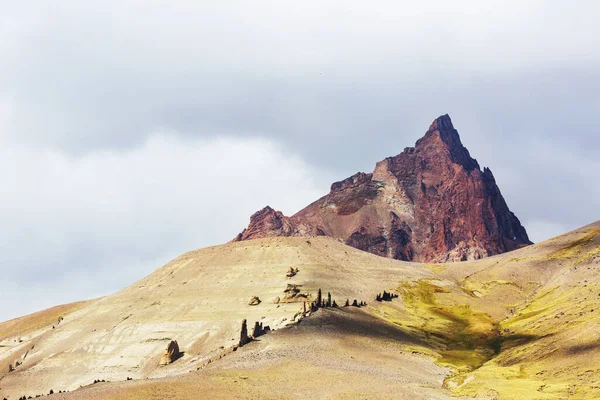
[507, 342]
[352, 321]
[582, 348]
[453, 345]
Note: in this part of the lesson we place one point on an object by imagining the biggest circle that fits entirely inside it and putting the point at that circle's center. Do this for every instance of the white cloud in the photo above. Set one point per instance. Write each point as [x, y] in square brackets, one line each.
[85, 226]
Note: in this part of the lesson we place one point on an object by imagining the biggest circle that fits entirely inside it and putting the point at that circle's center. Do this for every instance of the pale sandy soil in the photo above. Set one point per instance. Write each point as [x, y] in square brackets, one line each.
[198, 299]
[336, 354]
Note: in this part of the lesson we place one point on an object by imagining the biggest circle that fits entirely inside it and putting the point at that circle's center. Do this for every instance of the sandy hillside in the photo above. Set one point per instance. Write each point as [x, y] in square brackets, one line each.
[342, 353]
[524, 324]
[199, 299]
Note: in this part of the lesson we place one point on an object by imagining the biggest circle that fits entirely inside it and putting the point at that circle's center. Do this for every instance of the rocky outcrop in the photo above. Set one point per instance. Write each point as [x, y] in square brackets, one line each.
[266, 222]
[254, 301]
[430, 203]
[244, 339]
[170, 354]
[291, 272]
[292, 294]
[259, 330]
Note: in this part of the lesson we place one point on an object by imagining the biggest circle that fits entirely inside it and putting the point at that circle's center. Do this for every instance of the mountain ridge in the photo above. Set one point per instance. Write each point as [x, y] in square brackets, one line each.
[430, 203]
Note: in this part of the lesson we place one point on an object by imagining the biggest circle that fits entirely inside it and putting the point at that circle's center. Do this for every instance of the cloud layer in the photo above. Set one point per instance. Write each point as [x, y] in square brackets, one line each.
[84, 226]
[131, 131]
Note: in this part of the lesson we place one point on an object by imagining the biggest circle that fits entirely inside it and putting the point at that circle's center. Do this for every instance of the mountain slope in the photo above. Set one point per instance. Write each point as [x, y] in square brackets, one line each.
[198, 299]
[518, 325]
[432, 202]
[342, 353]
[523, 325]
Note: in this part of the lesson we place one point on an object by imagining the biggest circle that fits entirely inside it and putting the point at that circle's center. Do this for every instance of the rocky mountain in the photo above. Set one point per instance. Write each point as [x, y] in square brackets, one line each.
[430, 203]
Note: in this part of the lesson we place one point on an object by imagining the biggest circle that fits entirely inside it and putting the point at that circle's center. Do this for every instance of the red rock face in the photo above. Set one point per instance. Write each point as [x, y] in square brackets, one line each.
[430, 203]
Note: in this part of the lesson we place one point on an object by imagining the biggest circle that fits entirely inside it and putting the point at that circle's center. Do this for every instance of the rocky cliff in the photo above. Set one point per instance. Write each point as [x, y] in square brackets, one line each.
[430, 203]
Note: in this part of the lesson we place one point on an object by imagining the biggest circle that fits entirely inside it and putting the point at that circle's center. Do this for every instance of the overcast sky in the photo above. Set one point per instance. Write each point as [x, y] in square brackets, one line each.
[132, 131]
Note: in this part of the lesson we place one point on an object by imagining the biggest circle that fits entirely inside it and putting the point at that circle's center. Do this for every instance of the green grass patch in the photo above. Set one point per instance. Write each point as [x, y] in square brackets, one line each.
[463, 338]
[574, 249]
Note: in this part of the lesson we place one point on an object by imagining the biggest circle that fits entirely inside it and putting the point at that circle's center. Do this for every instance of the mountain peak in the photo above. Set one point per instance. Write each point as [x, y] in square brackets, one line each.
[266, 221]
[443, 122]
[429, 203]
[442, 136]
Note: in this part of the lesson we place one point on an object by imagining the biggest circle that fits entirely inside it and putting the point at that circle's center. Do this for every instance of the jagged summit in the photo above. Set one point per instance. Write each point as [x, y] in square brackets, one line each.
[267, 222]
[442, 133]
[431, 202]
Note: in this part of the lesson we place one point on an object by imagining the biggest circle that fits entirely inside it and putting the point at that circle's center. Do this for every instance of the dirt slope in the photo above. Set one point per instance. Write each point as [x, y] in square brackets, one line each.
[335, 354]
[521, 325]
[198, 299]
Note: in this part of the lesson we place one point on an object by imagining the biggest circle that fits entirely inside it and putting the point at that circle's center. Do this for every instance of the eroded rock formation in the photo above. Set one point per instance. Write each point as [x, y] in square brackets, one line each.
[430, 203]
[170, 354]
[254, 301]
[244, 339]
[291, 272]
[258, 329]
[292, 294]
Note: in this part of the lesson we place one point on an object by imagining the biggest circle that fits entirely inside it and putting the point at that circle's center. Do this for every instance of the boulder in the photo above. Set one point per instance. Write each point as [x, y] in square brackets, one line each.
[254, 301]
[170, 354]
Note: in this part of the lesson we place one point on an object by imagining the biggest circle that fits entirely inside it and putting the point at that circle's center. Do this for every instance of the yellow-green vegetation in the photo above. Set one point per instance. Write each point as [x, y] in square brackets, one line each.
[543, 350]
[461, 337]
[530, 310]
[554, 340]
[479, 288]
[574, 249]
[436, 268]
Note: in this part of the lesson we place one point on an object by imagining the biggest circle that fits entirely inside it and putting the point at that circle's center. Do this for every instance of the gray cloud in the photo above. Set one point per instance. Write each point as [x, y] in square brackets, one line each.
[316, 90]
[89, 225]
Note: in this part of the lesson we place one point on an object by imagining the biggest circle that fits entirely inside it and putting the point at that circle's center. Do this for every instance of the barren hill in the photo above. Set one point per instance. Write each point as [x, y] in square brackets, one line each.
[519, 325]
[432, 202]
